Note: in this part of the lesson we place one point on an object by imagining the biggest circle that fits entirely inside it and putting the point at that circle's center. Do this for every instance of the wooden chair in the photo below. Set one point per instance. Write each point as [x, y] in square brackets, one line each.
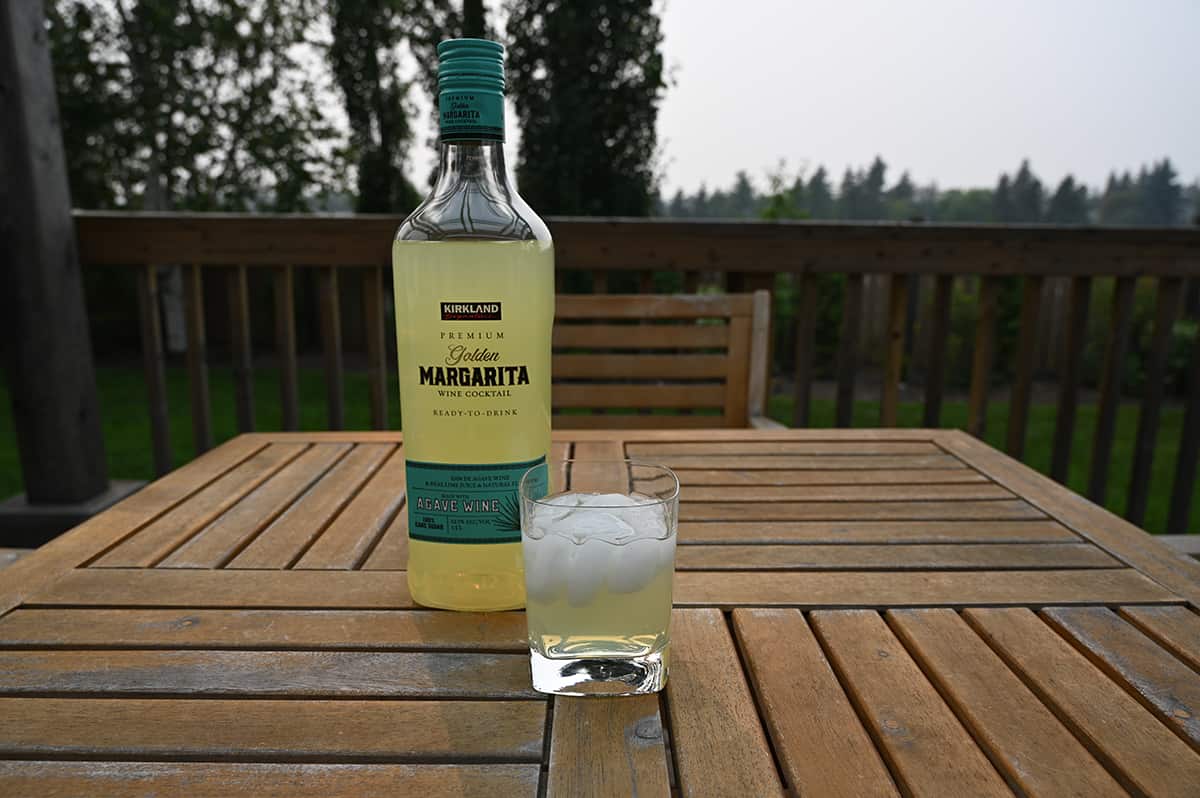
[621, 360]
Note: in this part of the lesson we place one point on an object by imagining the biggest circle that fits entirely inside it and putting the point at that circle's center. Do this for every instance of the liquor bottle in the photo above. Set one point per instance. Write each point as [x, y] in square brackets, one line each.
[473, 270]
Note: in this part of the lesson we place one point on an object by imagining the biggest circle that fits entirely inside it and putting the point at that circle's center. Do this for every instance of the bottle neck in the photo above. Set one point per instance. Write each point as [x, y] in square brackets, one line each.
[476, 162]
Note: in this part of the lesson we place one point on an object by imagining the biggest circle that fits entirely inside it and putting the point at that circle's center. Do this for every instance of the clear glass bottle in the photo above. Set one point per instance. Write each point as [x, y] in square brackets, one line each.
[473, 270]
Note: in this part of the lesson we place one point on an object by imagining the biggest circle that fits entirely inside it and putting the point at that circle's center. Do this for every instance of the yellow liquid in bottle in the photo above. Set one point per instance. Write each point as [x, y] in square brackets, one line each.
[473, 326]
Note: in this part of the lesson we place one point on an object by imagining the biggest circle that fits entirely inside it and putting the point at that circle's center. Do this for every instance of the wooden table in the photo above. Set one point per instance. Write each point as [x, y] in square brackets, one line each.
[858, 613]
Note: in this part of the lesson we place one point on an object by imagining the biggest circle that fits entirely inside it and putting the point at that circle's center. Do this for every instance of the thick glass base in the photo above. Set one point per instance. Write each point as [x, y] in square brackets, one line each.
[604, 676]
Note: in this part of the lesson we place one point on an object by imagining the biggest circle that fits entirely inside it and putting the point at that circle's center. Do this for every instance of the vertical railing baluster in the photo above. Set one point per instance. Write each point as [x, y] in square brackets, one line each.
[983, 357]
[285, 344]
[646, 281]
[599, 281]
[1070, 371]
[376, 346]
[331, 342]
[847, 364]
[240, 347]
[1022, 387]
[806, 330]
[1189, 449]
[197, 359]
[691, 281]
[1170, 291]
[935, 375]
[889, 403]
[1110, 387]
[153, 367]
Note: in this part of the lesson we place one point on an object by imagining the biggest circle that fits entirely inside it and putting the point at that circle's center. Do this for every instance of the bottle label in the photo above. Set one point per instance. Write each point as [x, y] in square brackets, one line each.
[467, 503]
[469, 115]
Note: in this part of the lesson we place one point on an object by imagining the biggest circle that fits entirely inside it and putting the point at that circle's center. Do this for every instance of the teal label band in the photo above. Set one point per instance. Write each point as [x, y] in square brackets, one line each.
[471, 115]
[466, 503]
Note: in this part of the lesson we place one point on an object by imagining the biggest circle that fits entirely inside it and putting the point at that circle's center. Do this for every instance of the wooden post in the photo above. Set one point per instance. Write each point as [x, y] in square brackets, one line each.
[49, 353]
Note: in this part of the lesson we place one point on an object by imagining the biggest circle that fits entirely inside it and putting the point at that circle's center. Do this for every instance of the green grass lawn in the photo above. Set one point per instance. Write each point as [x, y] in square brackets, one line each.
[127, 428]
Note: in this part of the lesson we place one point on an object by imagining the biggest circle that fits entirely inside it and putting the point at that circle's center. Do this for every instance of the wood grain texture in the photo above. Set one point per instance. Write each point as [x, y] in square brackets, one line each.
[250, 729]
[822, 747]
[848, 493]
[914, 588]
[265, 629]
[179, 587]
[629, 367]
[625, 421]
[1022, 385]
[285, 346]
[982, 356]
[1070, 374]
[313, 674]
[929, 751]
[349, 537]
[868, 477]
[100, 531]
[899, 464]
[160, 537]
[641, 337]
[331, 345]
[197, 359]
[1149, 673]
[737, 384]
[238, 295]
[716, 736]
[1024, 740]
[1140, 751]
[783, 532]
[391, 552]
[1175, 628]
[994, 510]
[1120, 323]
[600, 396]
[224, 537]
[893, 370]
[946, 556]
[290, 535]
[785, 445]
[1173, 570]
[294, 780]
[607, 747]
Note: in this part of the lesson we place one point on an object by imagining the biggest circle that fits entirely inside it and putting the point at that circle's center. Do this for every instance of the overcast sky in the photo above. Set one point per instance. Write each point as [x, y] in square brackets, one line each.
[956, 91]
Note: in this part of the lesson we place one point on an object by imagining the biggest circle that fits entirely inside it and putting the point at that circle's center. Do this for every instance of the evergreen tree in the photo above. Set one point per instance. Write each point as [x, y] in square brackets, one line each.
[743, 200]
[678, 206]
[1069, 203]
[1161, 194]
[820, 195]
[1028, 196]
[870, 201]
[586, 79]
[1120, 203]
[849, 196]
[1003, 206]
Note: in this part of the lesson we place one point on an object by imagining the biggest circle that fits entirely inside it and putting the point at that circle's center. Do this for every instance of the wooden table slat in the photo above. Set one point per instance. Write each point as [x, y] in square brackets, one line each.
[765, 532]
[250, 729]
[848, 493]
[288, 537]
[346, 541]
[928, 750]
[391, 551]
[295, 780]
[220, 540]
[833, 446]
[908, 476]
[160, 537]
[719, 745]
[1140, 750]
[312, 674]
[995, 510]
[607, 747]
[808, 462]
[1151, 674]
[932, 557]
[1022, 737]
[1176, 629]
[822, 747]
[270, 629]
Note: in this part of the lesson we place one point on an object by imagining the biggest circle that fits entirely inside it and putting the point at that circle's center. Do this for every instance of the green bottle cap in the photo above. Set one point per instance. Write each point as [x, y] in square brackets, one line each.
[471, 90]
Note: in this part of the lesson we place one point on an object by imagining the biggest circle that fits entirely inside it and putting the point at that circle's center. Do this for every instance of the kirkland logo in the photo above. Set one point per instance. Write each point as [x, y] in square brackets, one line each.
[470, 311]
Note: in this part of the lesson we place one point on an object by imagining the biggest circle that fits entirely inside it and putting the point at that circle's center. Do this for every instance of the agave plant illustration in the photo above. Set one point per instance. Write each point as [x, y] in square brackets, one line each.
[508, 518]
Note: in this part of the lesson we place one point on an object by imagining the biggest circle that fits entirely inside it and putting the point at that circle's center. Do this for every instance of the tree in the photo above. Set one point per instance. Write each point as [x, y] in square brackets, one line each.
[1120, 203]
[365, 55]
[1069, 203]
[820, 195]
[848, 200]
[1161, 194]
[678, 207]
[139, 82]
[871, 190]
[1003, 207]
[1028, 196]
[586, 80]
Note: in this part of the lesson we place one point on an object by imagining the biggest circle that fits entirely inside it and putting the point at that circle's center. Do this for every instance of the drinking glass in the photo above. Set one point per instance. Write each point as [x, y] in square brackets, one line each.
[598, 540]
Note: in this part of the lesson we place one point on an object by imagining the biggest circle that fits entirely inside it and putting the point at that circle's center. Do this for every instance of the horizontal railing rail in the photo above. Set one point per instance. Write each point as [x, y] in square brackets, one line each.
[748, 255]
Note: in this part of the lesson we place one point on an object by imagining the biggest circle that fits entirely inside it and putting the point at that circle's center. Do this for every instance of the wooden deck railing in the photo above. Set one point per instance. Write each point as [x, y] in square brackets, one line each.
[750, 254]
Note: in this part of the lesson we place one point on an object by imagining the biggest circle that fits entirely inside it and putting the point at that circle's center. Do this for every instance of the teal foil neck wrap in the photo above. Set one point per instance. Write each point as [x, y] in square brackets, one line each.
[470, 90]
